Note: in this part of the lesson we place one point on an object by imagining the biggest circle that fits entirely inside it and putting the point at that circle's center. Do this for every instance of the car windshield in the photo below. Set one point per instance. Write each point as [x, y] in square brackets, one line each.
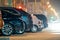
[12, 11]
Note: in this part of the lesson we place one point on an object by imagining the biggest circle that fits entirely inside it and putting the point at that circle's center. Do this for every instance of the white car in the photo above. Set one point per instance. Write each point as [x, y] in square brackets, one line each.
[37, 23]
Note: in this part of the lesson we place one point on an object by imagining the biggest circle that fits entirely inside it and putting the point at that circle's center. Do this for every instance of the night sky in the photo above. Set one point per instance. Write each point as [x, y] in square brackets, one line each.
[55, 4]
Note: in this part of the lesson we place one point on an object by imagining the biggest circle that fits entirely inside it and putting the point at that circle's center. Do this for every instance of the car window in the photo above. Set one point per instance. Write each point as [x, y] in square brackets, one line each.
[12, 11]
[4, 13]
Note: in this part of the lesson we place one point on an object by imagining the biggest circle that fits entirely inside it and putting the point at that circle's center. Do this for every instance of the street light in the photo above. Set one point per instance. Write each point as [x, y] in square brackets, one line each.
[52, 9]
[49, 6]
[56, 14]
[48, 3]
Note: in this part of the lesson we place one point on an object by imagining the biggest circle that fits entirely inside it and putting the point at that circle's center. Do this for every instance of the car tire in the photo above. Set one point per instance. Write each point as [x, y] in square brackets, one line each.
[21, 28]
[7, 29]
[34, 29]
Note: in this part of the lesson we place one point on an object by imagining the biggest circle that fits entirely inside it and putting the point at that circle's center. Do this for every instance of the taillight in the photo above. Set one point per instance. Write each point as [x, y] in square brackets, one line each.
[20, 7]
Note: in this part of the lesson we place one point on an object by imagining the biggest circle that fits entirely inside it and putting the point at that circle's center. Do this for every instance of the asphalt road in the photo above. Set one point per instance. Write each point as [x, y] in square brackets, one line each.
[44, 35]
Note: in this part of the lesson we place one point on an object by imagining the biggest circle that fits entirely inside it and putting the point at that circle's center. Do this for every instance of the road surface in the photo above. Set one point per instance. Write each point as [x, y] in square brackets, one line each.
[44, 35]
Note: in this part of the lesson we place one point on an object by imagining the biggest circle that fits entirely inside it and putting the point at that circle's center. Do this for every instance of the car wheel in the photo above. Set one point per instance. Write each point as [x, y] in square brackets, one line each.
[7, 29]
[34, 29]
[20, 28]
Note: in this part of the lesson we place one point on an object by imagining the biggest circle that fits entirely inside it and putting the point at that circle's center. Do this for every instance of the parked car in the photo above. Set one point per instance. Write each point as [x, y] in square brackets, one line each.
[12, 22]
[43, 19]
[39, 21]
[16, 20]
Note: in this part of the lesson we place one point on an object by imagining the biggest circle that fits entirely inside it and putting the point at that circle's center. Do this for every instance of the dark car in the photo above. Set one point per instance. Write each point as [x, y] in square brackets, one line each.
[12, 21]
[15, 21]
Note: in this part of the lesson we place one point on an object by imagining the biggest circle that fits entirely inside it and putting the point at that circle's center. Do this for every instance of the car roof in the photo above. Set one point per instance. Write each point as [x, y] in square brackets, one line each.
[12, 8]
[19, 10]
[41, 16]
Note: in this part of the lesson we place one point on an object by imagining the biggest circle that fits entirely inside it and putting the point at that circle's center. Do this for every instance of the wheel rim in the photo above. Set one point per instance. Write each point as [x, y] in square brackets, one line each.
[7, 29]
[34, 29]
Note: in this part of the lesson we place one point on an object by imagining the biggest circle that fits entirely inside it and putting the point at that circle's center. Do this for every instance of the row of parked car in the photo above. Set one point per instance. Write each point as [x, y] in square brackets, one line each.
[14, 20]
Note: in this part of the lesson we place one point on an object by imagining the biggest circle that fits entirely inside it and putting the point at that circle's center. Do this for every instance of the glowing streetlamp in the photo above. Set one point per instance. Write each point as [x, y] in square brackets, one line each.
[49, 6]
[48, 3]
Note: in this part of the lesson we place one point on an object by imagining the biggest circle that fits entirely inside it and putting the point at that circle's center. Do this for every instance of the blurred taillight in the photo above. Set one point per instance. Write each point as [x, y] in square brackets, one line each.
[20, 7]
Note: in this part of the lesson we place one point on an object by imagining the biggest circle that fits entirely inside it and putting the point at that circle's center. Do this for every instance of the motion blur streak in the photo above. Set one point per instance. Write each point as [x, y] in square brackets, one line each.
[56, 14]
